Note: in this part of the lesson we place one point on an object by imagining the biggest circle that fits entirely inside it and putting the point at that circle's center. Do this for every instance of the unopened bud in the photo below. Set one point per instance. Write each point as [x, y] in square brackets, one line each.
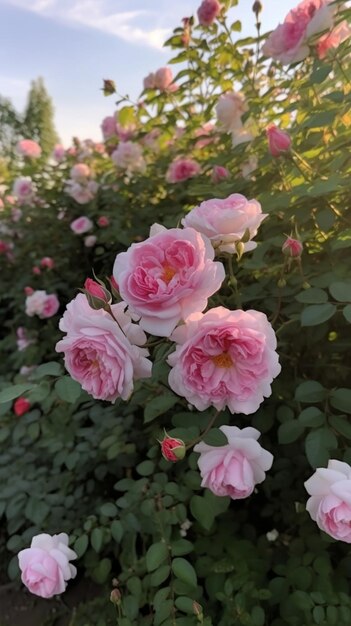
[109, 87]
[279, 141]
[172, 449]
[97, 295]
[292, 247]
[115, 596]
[281, 283]
[306, 285]
[257, 7]
[240, 249]
[197, 608]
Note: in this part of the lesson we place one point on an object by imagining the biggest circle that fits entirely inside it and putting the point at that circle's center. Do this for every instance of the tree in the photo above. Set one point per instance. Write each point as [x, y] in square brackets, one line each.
[38, 122]
[10, 127]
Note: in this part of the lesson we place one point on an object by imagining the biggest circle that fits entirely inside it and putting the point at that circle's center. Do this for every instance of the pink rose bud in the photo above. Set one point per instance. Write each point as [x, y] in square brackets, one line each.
[219, 173]
[21, 406]
[28, 291]
[47, 262]
[172, 449]
[292, 247]
[116, 597]
[98, 296]
[208, 11]
[114, 284]
[278, 140]
[36, 270]
[103, 221]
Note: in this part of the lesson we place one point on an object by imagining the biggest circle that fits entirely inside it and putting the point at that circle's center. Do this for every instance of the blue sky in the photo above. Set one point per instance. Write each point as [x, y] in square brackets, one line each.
[74, 44]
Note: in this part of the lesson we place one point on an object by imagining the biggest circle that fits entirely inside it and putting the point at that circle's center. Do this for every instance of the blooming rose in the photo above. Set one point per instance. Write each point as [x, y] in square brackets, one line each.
[330, 501]
[164, 79]
[129, 156]
[292, 247]
[279, 141]
[42, 304]
[108, 127]
[230, 108]
[333, 39]
[81, 225]
[182, 169]
[226, 220]
[23, 188]
[28, 148]
[167, 277]
[58, 152]
[80, 172]
[288, 43]
[224, 358]
[208, 11]
[103, 354]
[47, 262]
[46, 566]
[219, 173]
[80, 193]
[234, 469]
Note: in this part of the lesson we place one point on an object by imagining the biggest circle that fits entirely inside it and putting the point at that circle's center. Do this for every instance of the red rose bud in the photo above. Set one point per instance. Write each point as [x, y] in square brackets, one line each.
[28, 291]
[292, 247]
[172, 449]
[103, 221]
[278, 140]
[109, 87]
[21, 406]
[98, 296]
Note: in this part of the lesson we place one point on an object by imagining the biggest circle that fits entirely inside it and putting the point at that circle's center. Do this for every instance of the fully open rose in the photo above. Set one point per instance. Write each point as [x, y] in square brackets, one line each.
[167, 277]
[102, 358]
[224, 359]
[234, 469]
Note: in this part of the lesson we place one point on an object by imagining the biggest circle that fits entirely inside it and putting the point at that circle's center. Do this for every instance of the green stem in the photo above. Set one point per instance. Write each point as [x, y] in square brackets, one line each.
[204, 433]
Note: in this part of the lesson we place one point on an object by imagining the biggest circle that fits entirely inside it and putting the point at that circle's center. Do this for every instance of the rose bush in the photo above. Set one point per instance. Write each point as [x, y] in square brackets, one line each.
[231, 137]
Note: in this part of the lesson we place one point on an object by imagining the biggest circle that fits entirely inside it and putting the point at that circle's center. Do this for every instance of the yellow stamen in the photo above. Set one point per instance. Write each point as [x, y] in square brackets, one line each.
[222, 360]
[168, 273]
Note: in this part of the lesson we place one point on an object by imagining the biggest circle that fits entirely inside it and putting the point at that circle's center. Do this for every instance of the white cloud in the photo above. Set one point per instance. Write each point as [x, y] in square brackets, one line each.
[101, 15]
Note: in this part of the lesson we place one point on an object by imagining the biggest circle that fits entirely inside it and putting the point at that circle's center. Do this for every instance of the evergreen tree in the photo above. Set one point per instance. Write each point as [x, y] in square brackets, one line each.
[38, 122]
[10, 127]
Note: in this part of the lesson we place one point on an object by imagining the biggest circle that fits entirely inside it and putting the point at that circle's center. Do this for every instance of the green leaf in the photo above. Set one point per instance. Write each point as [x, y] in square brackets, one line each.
[156, 554]
[109, 509]
[145, 468]
[158, 406]
[310, 391]
[181, 546]
[68, 389]
[318, 443]
[317, 314]
[36, 510]
[258, 617]
[341, 399]
[215, 437]
[160, 575]
[311, 417]
[10, 393]
[320, 73]
[183, 570]
[341, 291]
[343, 240]
[313, 295]
[347, 313]
[341, 425]
[184, 604]
[205, 508]
[101, 571]
[117, 530]
[290, 431]
[47, 369]
[302, 600]
[96, 539]
[81, 544]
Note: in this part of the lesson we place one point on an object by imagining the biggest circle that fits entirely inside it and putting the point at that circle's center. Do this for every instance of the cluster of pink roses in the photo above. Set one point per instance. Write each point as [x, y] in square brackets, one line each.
[81, 187]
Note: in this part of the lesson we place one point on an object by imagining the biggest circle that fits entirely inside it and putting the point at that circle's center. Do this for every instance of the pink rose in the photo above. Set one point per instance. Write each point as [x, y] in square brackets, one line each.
[230, 108]
[46, 566]
[124, 133]
[224, 359]
[219, 173]
[181, 169]
[58, 152]
[129, 156]
[330, 501]
[81, 225]
[164, 79]
[22, 340]
[23, 188]
[208, 11]
[80, 193]
[167, 277]
[108, 127]
[292, 247]
[80, 172]
[103, 221]
[51, 306]
[288, 43]
[28, 148]
[47, 262]
[102, 354]
[41, 304]
[149, 81]
[278, 140]
[234, 469]
[225, 221]
[333, 39]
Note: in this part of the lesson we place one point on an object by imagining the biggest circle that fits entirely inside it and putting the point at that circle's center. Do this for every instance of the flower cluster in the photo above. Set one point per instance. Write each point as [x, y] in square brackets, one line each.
[81, 187]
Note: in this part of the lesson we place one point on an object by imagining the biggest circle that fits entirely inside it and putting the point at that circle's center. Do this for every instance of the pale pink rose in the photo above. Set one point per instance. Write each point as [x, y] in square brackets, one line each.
[23, 188]
[108, 127]
[219, 173]
[149, 81]
[101, 354]
[80, 172]
[181, 169]
[164, 79]
[234, 469]
[28, 148]
[225, 221]
[230, 108]
[208, 11]
[224, 359]
[330, 501]
[90, 241]
[46, 566]
[279, 141]
[129, 156]
[81, 225]
[241, 135]
[292, 247]
[206, 136]
[288, 43]
[47, 262]
[333, 39]
[167, 277]
[59, 152]
[51, 306]
[41, 304]
[125, 133]
[23, 340]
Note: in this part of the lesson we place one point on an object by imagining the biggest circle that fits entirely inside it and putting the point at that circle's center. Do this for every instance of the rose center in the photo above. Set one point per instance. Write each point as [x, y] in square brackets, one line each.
[168, 273]
[222, 360]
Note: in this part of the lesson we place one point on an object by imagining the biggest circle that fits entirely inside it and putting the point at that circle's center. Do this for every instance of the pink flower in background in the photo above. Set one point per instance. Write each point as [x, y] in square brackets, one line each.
[234, 469]
[80, 172]
[204, 133]
[42, 304]
[109, 127]
[23, 340]
[181, 169]
[28, 148]
[230, 108]
[46, 566]
[288, 43]
[102, 355]
[164, 79]
[224, 359]
[330, 501]
[279, 141]
[47, 262]
[167, 277]
[149, 81]
[226, 221]
[125, 133]
[23, 188]
[16, 214]
[208, 11]
[90, 241]
[81, 193]
[103, 221]
[81, 225]
[333, 39]
[28, 291]
[59, 152]
[36, 270]
[219, 173]
[129, 156]
[292, 247]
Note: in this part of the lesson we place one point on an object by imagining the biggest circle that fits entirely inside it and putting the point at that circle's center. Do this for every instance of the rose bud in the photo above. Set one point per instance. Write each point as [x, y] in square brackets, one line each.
[116, 597]
[98, 296]
[28, 291]
[292, 247]
[219, 173]
[172, 449]
[36, 270]
[21, 406]
[47, 262]
[109, 87]
[278, 140]
[103, 221]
